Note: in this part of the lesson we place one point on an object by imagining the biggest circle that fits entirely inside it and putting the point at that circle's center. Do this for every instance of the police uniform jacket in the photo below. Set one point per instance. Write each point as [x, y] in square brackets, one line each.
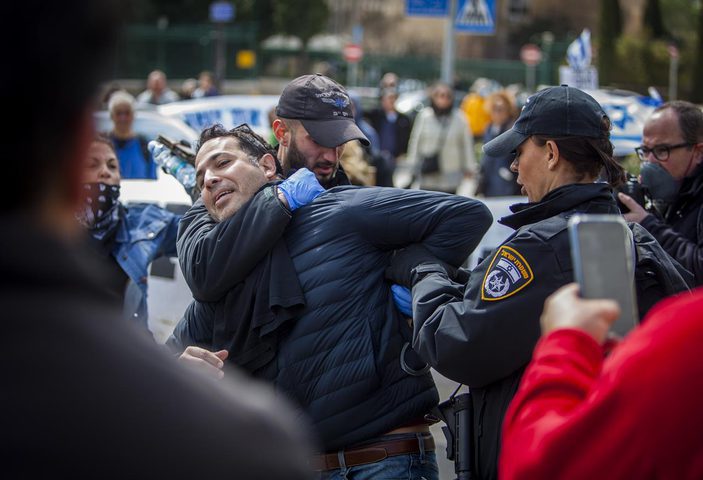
[680, 232]
[340, 358]
[482, 333]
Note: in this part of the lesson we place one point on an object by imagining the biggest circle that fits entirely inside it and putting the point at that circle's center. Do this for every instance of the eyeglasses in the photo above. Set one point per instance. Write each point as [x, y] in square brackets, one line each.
[660, 152]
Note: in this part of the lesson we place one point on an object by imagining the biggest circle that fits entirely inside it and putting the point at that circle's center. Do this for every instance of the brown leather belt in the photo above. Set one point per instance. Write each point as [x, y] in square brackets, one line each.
[371, 453]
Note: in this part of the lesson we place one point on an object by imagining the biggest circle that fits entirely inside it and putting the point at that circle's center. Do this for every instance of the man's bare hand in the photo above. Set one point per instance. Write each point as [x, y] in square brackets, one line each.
[565, 309]
[636, 213]
[208, 362]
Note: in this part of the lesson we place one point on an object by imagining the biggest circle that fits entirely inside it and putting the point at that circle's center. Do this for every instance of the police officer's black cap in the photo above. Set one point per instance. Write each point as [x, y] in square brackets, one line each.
[323, 107]
[553, 112]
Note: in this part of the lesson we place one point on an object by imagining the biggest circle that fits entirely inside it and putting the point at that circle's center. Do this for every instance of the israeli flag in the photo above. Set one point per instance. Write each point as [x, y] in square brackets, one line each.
[579, 52]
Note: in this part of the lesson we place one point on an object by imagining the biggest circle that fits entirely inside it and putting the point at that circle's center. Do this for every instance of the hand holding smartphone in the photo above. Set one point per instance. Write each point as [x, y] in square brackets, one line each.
[602, 253]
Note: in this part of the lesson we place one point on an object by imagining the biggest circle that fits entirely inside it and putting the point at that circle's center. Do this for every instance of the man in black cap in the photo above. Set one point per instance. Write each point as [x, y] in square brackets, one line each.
[315, 120]
[315, 315]
[482, 333]
[311, 311]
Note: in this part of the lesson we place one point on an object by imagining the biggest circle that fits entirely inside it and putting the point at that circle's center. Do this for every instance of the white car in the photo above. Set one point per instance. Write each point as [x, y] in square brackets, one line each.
[150, 124]
[627, 111]
[165, 191]
[228, 110]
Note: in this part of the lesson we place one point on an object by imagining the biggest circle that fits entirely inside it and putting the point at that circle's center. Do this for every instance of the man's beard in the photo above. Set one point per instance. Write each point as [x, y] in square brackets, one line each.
[296, 160]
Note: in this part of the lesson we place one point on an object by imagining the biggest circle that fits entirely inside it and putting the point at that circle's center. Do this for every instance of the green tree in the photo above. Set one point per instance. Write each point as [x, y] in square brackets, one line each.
[303, 19]
[696, 91]
[654, 19]
[177, 11]
[610, 29]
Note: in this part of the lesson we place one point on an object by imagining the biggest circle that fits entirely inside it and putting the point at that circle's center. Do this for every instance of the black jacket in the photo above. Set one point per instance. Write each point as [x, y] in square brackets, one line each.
[211, 271]
[495, 177]
[402, 127]
[482, 334]
[681, 230]
[341, 358]
[87, 395]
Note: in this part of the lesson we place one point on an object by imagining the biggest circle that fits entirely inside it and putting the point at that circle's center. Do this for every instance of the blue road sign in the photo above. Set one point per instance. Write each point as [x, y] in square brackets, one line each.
[476, 16]
[427, 8]
[222, 12]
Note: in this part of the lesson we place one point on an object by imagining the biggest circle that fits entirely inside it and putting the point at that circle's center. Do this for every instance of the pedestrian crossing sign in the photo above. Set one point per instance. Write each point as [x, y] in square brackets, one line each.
[476, 16]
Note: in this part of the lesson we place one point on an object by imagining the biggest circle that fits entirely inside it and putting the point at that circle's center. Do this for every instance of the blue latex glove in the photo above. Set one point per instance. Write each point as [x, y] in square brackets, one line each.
[403, 299]
[300, 188]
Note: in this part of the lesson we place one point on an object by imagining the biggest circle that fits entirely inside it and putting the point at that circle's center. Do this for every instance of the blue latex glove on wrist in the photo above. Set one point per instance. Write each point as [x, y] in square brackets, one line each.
[300, 188]
[403, 299]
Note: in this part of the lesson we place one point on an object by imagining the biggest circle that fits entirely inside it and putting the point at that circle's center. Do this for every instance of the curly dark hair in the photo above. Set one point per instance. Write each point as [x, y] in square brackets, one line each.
[252, 143]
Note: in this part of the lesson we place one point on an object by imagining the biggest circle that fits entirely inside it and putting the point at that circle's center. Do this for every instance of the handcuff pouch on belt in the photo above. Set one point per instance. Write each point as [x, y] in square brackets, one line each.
[457, 414]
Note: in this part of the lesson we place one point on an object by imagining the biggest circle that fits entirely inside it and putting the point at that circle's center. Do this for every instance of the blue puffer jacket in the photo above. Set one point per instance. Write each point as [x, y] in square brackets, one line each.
[341, 359]
[146, 233]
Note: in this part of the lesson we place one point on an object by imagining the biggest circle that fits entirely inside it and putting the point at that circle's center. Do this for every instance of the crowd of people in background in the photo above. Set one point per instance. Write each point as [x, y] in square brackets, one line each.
[396, 139]
[320, 302]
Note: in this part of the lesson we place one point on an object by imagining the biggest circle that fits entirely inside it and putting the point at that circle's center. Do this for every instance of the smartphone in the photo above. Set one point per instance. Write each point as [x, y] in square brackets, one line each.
[602, 252]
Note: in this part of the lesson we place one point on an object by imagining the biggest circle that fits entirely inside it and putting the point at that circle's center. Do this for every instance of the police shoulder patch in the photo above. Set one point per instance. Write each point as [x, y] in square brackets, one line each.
[507, 274]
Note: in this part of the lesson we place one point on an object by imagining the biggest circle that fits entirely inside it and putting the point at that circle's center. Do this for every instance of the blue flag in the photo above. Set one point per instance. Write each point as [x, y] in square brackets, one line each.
[579, 52]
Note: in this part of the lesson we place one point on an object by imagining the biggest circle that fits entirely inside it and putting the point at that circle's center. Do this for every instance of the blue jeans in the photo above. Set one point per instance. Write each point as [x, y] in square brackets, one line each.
[414, 466]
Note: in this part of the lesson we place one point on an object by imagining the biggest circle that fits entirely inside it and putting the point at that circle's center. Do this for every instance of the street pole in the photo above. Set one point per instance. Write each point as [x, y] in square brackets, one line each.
[220, 54]
[221, 12]
[352, 74]
[162, 25]
[357, 39]
[448, 47]
[530, 77]
[673, 76]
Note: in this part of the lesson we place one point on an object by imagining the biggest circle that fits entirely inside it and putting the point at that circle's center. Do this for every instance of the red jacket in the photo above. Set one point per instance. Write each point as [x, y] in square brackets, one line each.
[636, 414]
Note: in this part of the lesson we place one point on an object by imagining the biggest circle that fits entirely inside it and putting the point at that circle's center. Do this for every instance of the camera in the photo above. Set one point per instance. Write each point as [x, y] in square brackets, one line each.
[635, 190]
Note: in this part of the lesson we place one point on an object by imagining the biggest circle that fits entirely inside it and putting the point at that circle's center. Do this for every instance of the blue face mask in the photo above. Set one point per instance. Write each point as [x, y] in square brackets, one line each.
[661, 185]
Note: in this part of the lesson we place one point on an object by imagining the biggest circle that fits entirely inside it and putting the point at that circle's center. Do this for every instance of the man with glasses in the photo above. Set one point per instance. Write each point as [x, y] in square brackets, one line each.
[315, 315]
[671, 155]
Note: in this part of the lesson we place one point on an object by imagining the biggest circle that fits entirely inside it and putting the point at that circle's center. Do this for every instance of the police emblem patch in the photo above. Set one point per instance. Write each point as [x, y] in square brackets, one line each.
[507, 274]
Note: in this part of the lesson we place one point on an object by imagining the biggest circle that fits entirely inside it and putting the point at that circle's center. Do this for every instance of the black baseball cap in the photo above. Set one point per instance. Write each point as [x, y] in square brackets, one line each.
[323, 107]
[556, 112]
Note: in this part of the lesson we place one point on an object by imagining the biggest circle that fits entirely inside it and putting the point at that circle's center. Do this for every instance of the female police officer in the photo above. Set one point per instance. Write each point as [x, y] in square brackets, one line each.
[482, 333]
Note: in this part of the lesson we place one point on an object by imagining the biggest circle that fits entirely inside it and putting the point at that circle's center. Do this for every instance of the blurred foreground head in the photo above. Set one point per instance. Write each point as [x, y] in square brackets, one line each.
[55, 65]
